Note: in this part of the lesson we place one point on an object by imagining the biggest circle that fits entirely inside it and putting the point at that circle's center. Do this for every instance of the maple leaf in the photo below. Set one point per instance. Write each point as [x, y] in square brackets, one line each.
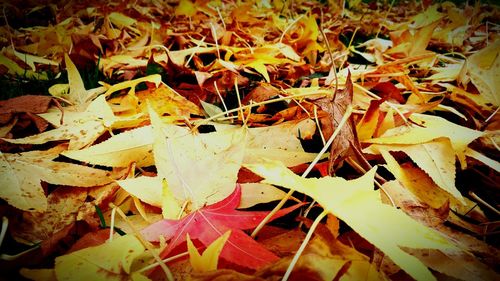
[132, 146]
[279, 142]
[199, 169]
[208, 223]
[436, 158]
[483, 68]
[22, 173]
[428, 128]
[458, 263]
[81, 130]
[107, 261]
[350, 201]
[208, 260]
[422, 187]
[63, 205]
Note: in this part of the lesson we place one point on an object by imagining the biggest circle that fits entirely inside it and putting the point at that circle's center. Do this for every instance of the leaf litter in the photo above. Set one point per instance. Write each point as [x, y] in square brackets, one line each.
[182, 126]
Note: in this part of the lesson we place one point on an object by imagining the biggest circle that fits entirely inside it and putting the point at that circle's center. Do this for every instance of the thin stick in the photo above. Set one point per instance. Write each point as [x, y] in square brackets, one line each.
[146, 244]
[214, 34]
[346, 116]
[169, 259]
[385, 17]
[220, 96]
[112, 226]
[486, 204]
[491, 116]
[288, 27]
[303, 245]
[5, 225]
[219, 115]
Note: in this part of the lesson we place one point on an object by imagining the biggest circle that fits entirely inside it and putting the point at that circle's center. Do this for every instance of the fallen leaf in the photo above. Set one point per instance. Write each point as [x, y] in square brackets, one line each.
[27, 103]
[208, 223]
[63, 205]
[428, 128]
[257, 193]
[208, 260]
[199, 169]
[84, 129]
[336, 108]
[457, 263]
[356, 195]
[436, 158]
[109, 261]
[421, 186]
[22, 173]
[132, 146]
[484, 68]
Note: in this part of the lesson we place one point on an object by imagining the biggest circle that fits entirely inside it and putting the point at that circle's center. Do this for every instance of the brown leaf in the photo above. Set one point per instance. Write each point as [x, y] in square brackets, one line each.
[63, 205]
[336, 108]
[28, 103]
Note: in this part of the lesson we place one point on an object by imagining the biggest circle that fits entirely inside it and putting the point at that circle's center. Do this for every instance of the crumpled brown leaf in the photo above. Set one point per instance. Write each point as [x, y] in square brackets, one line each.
[347, 140]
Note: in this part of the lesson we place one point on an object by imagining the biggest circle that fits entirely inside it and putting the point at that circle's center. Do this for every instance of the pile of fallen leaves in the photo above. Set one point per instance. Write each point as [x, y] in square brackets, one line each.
[250, 140]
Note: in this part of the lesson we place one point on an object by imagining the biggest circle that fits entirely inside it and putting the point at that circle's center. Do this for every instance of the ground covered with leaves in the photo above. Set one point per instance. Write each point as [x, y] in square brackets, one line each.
[249, 140]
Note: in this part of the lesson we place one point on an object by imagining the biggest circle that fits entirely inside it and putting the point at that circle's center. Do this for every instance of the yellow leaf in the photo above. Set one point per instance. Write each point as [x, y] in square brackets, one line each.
[15, 69]
[484, 70]
[170, 207]
[77, 93]
[426, 17]
[164, 100]
[352, 201]
[31, 59]
[120, 150]
[256, 193]
[22, 173]
[279, 142]
[429, 128]
[121, 20]
[436, 158]
[186, 8]
[422, 186]
[107, 261]
[147, 189]
[44, 274]
[210, 257]
[201, 169]
[155, 78]
[486, 160]
[84, 128]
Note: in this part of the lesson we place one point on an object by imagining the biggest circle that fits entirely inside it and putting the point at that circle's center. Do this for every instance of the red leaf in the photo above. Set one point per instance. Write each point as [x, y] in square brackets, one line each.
[387, 90]
[208, 223]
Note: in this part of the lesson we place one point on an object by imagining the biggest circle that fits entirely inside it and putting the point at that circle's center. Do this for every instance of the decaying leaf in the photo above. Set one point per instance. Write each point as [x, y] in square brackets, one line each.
[84, 129]
[336, 108]
[22, 175]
